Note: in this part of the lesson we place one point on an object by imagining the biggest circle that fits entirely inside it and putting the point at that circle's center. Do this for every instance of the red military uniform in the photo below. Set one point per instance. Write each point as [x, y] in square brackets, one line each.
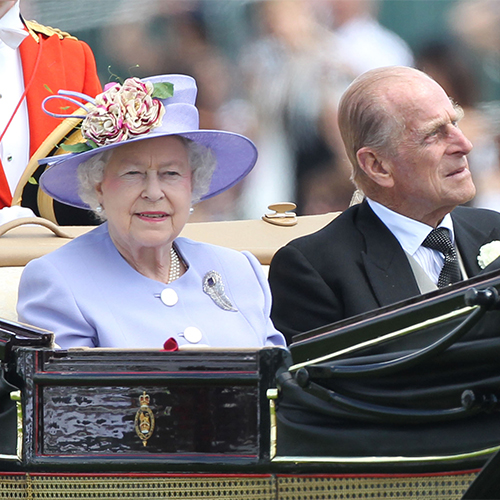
[52, 60]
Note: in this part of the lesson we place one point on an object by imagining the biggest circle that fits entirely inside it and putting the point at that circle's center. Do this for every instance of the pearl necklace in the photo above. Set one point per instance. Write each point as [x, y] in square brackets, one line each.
[175, 265]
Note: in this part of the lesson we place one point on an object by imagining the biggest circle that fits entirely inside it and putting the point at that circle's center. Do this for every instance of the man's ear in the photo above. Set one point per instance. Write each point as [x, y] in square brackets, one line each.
[375, 166]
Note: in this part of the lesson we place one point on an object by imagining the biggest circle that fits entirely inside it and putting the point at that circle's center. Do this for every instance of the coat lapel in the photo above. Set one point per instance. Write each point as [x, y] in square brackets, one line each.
[387, 268]
[469, 240]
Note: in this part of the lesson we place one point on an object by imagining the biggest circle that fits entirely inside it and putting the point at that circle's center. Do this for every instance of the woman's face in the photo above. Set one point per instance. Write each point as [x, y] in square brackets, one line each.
[146, 193]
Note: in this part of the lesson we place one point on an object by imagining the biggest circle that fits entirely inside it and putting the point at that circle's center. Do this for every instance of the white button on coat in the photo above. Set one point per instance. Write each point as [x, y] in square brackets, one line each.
[192, 334]
[169, 297]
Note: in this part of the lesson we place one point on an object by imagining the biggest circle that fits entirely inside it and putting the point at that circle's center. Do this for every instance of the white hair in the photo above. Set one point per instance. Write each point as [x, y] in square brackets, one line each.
[91, 173]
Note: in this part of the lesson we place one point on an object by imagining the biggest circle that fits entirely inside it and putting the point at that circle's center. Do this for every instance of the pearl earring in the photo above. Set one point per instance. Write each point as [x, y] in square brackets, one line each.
[98, 209]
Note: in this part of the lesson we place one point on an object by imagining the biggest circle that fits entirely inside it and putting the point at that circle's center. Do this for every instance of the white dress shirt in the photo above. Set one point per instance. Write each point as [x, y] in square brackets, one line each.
[411, 234]
[14, 148]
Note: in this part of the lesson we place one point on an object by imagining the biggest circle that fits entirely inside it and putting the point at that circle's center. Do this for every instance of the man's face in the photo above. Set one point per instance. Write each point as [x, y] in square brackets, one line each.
[430, 171]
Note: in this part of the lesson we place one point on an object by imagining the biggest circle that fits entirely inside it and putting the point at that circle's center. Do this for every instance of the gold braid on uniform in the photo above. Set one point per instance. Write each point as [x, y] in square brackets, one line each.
[34, 28]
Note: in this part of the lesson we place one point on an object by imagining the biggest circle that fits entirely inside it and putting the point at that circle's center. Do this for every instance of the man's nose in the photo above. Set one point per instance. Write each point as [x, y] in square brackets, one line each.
[460, 142]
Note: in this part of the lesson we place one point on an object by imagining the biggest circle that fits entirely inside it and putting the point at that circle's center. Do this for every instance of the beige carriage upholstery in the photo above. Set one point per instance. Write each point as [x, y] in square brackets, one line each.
[22, 240]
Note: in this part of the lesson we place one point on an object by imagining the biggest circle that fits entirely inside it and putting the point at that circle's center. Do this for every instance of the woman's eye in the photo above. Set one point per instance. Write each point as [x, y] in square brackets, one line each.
[131, 174]
[170, 173]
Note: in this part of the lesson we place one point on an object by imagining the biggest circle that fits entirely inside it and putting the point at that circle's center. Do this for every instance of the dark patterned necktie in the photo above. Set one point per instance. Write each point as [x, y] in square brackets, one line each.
[439, 239]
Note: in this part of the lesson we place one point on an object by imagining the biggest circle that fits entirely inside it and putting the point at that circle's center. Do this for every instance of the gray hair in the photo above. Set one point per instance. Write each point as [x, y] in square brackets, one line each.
[365, 121]
[91, 173]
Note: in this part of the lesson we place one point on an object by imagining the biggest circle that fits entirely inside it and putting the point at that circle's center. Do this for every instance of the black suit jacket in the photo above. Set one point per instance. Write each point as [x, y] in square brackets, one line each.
[355, 265]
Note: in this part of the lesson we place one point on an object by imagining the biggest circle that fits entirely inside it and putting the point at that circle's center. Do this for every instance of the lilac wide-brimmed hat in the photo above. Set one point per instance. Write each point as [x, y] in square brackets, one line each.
[144, 109]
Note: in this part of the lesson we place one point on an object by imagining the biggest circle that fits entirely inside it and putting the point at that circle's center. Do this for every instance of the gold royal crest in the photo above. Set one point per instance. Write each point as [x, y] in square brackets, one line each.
[144, 419]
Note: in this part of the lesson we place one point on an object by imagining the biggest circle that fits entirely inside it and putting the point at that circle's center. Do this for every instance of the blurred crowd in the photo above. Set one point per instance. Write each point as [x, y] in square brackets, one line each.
[274, 71]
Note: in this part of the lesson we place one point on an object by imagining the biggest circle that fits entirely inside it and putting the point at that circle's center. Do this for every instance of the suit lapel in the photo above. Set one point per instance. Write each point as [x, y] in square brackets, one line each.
[387, 268]
[469, 240]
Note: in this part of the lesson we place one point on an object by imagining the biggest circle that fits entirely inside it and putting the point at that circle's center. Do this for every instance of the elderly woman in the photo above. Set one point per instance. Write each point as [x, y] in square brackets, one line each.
[132, 281]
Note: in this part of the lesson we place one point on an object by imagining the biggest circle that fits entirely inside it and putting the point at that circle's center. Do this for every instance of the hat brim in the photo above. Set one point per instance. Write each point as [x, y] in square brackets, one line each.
[235, 154]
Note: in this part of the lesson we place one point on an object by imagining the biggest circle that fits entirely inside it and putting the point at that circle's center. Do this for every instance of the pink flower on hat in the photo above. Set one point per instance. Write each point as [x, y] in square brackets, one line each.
[104, 125]
[123, 111]
[143, 113]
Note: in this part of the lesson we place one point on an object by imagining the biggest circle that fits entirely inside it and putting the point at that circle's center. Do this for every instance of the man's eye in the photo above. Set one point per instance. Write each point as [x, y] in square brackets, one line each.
[440, 131]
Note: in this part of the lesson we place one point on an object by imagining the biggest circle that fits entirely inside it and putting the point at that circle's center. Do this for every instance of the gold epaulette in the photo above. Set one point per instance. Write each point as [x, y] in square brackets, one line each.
[34, 28]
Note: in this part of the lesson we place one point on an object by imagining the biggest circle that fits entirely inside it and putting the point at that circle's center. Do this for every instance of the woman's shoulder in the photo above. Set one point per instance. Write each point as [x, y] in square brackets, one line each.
[85, 247]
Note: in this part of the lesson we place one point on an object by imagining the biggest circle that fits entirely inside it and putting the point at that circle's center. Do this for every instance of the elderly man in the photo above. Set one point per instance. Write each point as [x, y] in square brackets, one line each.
[409, 157]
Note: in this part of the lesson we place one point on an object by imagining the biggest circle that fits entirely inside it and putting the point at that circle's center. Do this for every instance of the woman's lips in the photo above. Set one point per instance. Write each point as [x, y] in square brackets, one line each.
[152, 215]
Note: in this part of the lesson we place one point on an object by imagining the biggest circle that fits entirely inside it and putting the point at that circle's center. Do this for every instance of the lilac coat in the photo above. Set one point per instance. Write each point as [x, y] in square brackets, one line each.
[88, 295]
